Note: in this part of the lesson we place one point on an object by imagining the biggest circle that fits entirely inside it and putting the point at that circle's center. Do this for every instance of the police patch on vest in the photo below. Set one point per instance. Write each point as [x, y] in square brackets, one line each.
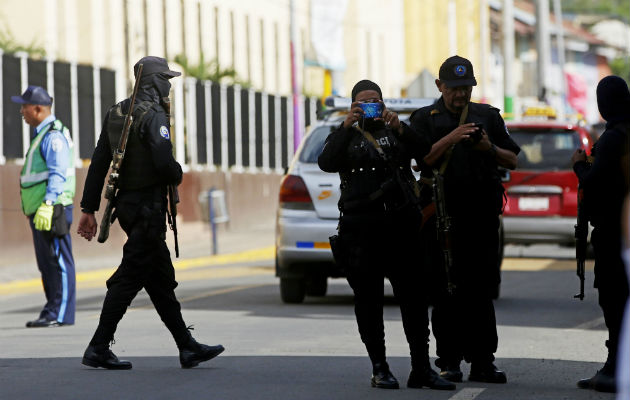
[164, 132]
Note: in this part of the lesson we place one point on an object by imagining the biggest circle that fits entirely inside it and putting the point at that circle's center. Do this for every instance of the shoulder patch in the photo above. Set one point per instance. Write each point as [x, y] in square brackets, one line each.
[164, 132]
[56, 144]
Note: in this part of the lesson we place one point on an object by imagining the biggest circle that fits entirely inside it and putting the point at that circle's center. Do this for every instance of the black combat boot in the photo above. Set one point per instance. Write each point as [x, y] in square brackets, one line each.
[486, 372]
[382, 377]
[424, 375]
[193, 353]
[451, 372]
[101, 356]
[603, 381]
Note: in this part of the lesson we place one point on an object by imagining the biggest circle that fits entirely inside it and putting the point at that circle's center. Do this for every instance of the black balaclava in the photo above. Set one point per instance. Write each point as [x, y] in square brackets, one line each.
[613, 100]
[368, 124]
[156, 87]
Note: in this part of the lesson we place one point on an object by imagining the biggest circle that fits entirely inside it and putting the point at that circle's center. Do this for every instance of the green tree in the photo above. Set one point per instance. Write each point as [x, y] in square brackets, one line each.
[621, 67]
[9, 45]
[209, 71]
[618, 8]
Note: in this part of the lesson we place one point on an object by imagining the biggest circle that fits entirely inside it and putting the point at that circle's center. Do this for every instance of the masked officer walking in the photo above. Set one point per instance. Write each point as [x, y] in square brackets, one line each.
[605, 184]
[469, 141]
[140, 207]
[47, 186]
[379, 229]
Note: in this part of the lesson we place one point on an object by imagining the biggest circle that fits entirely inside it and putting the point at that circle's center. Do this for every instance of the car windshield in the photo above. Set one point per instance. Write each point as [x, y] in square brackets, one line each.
[314, 143]
[545, 149]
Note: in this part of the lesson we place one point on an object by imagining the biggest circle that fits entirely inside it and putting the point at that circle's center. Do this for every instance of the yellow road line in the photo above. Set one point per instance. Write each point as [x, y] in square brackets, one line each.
[265, 253]
[186, 269]
[540, 264]
[97, 278]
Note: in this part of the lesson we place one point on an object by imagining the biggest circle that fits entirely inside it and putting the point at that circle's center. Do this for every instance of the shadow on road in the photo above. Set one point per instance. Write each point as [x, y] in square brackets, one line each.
[271, 378]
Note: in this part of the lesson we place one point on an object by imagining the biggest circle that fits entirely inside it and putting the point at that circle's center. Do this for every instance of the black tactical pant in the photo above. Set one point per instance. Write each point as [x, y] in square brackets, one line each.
[376, 249]
[611, 283]
[146, 264]
[464, 323]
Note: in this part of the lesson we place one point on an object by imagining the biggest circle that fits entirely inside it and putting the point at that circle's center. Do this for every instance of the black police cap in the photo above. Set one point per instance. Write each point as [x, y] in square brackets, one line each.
[457, 71]
[154, 65]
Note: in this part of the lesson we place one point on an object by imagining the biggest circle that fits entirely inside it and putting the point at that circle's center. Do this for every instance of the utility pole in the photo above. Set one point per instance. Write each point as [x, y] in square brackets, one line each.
[297, 132]
[542, 47]
[557, 10]
[483, 47]
[508, 59]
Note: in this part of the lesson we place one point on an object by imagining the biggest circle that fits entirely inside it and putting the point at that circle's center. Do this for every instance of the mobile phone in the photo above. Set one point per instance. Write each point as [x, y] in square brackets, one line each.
[371, 110]
[475, 136]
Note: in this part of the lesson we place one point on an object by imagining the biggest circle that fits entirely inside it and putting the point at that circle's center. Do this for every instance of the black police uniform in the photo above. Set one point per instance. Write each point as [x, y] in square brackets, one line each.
[379, 231]
[140, 207]
[605, 186]
[141, 204]
[464, 324]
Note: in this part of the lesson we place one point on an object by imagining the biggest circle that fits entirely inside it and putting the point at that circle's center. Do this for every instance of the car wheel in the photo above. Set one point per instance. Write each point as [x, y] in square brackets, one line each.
[292, 290]
[317, 286]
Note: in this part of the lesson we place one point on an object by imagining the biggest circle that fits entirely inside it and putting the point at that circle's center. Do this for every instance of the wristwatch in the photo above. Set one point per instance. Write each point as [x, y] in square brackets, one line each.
[49, 202]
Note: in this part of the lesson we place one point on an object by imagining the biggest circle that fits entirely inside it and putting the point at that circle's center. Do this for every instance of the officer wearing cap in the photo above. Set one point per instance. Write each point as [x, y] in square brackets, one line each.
[47, 186]
[469, 141]
[140, 207]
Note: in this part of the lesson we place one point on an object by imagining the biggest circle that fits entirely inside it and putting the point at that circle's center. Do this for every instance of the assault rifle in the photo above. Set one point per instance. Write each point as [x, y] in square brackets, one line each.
[443, 225]
[173, 199]
[581, 240]
[112, 184]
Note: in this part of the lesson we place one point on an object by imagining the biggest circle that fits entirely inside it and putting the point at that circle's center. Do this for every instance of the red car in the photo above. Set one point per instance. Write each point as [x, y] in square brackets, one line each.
[542, 190]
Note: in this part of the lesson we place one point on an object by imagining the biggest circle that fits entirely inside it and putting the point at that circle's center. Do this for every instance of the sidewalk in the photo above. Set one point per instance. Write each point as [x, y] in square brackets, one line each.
[195, 241]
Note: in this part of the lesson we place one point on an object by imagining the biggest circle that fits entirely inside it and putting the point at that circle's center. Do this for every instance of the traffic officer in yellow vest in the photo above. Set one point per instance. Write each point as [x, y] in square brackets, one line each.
[47, 186]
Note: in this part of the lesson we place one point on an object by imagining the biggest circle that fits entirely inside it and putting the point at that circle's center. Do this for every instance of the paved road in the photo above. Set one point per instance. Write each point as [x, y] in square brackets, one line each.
[309, 351]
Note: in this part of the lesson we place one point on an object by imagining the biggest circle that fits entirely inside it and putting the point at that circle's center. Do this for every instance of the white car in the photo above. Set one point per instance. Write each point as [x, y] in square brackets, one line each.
[307, 210]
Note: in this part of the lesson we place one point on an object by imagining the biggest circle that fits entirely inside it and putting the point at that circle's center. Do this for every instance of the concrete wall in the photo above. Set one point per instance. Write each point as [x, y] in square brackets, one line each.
[251, 200]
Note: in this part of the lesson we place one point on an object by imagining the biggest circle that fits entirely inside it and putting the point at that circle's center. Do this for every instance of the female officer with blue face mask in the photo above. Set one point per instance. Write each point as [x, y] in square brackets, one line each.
[379, 228]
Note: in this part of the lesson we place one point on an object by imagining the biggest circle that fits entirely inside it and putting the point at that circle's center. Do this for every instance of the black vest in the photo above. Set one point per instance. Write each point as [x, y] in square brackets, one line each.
[472, 178]
[137, 170]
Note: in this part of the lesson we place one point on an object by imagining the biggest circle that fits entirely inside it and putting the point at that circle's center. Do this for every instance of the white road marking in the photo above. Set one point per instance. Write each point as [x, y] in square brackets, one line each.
[590, 324]
[467, 394]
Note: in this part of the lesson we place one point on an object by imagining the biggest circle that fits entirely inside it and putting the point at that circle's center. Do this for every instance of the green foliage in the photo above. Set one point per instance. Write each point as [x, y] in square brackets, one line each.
[619, 8]
[209, 71]
[9, 45]
[621, 67]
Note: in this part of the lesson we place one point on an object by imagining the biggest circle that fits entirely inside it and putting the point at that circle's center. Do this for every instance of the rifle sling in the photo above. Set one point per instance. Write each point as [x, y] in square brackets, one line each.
[449, 152]
[378, 193]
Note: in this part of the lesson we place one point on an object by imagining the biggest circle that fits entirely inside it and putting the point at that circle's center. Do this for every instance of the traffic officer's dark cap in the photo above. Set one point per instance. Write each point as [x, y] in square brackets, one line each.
[34, 95]
[154, 65]
[457, 71]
